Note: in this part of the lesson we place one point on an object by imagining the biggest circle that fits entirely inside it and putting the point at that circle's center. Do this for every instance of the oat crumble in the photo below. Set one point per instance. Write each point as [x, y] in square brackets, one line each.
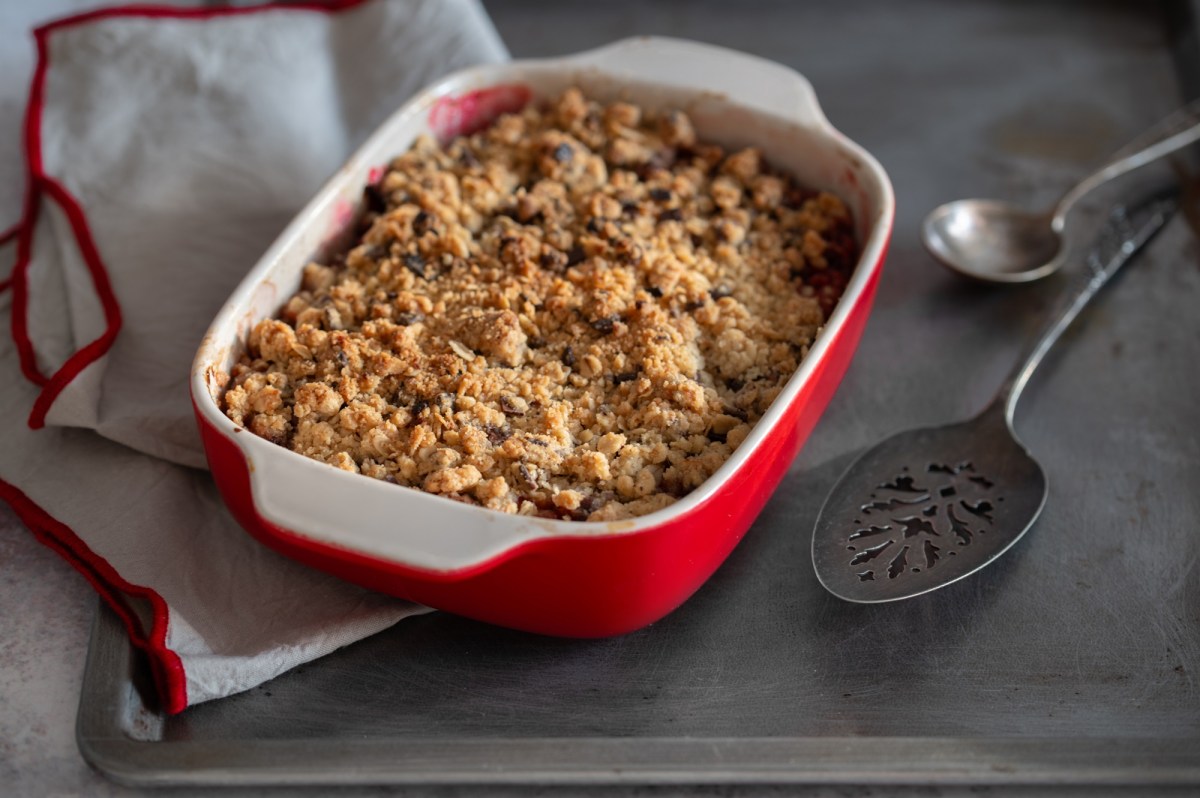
[579, 312]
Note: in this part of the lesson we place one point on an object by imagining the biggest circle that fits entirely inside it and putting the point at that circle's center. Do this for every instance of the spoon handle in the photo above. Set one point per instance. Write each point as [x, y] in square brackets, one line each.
[1172, 133]
[1127, 230]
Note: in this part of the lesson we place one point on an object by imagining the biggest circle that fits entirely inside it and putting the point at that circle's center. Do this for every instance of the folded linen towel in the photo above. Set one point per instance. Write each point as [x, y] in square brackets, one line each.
[166, 148]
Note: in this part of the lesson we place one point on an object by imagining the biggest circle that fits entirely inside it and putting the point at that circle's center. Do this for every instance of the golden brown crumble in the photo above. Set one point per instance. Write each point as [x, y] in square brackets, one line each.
[579, 312]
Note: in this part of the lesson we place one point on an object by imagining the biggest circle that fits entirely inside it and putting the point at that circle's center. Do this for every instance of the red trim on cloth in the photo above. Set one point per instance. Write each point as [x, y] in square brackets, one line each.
[169, 676]
[8, 235]
[159, 12]
[20, 301]
[108, 301]
[167, 668]
[29, 215]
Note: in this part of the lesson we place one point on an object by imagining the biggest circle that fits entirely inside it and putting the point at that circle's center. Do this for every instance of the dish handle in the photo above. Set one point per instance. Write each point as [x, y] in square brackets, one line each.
[763, 85]
[310, 500]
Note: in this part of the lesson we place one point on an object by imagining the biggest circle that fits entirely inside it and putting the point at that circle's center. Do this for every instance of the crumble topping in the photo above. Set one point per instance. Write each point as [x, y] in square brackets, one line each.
[579, 312]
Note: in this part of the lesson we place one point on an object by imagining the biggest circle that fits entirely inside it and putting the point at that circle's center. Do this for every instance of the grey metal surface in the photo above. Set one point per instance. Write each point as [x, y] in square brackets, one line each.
[1073, 659]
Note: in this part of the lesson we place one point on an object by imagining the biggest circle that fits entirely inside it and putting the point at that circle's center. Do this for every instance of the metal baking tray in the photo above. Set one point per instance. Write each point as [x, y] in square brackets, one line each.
[1074, 659]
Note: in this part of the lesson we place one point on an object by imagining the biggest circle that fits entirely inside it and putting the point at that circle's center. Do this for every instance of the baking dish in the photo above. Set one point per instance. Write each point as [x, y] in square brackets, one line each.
[581, 579]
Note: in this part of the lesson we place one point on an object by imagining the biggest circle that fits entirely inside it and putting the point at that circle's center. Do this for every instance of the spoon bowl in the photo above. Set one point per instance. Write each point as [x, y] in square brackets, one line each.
[993, 240]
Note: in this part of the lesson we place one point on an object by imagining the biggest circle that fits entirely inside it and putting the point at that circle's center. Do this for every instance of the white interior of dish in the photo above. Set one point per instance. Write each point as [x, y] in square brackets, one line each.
[733, 99]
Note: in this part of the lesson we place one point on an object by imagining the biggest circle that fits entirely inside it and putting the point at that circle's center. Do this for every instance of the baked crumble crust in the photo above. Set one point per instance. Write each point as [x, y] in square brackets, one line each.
[578, 312]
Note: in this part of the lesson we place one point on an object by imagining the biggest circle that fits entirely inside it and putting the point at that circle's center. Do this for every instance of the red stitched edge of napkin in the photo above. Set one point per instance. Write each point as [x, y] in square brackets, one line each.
[91, 352]
[167, 668]
[169, 677]
[7, 236]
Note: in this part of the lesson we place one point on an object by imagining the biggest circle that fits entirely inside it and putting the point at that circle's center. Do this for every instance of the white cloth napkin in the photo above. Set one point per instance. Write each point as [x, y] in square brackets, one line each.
[166, 150]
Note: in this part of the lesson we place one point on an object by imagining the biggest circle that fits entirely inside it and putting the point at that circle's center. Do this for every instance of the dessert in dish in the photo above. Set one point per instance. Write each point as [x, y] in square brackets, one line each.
[532, 572]
[578, 312]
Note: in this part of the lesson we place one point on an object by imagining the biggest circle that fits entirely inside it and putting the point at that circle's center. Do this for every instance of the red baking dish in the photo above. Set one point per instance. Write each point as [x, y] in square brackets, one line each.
[580, 579]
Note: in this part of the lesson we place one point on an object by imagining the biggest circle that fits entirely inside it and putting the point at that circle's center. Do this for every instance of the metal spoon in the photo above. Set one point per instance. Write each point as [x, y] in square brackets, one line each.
[930, 506]
[998, 242]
